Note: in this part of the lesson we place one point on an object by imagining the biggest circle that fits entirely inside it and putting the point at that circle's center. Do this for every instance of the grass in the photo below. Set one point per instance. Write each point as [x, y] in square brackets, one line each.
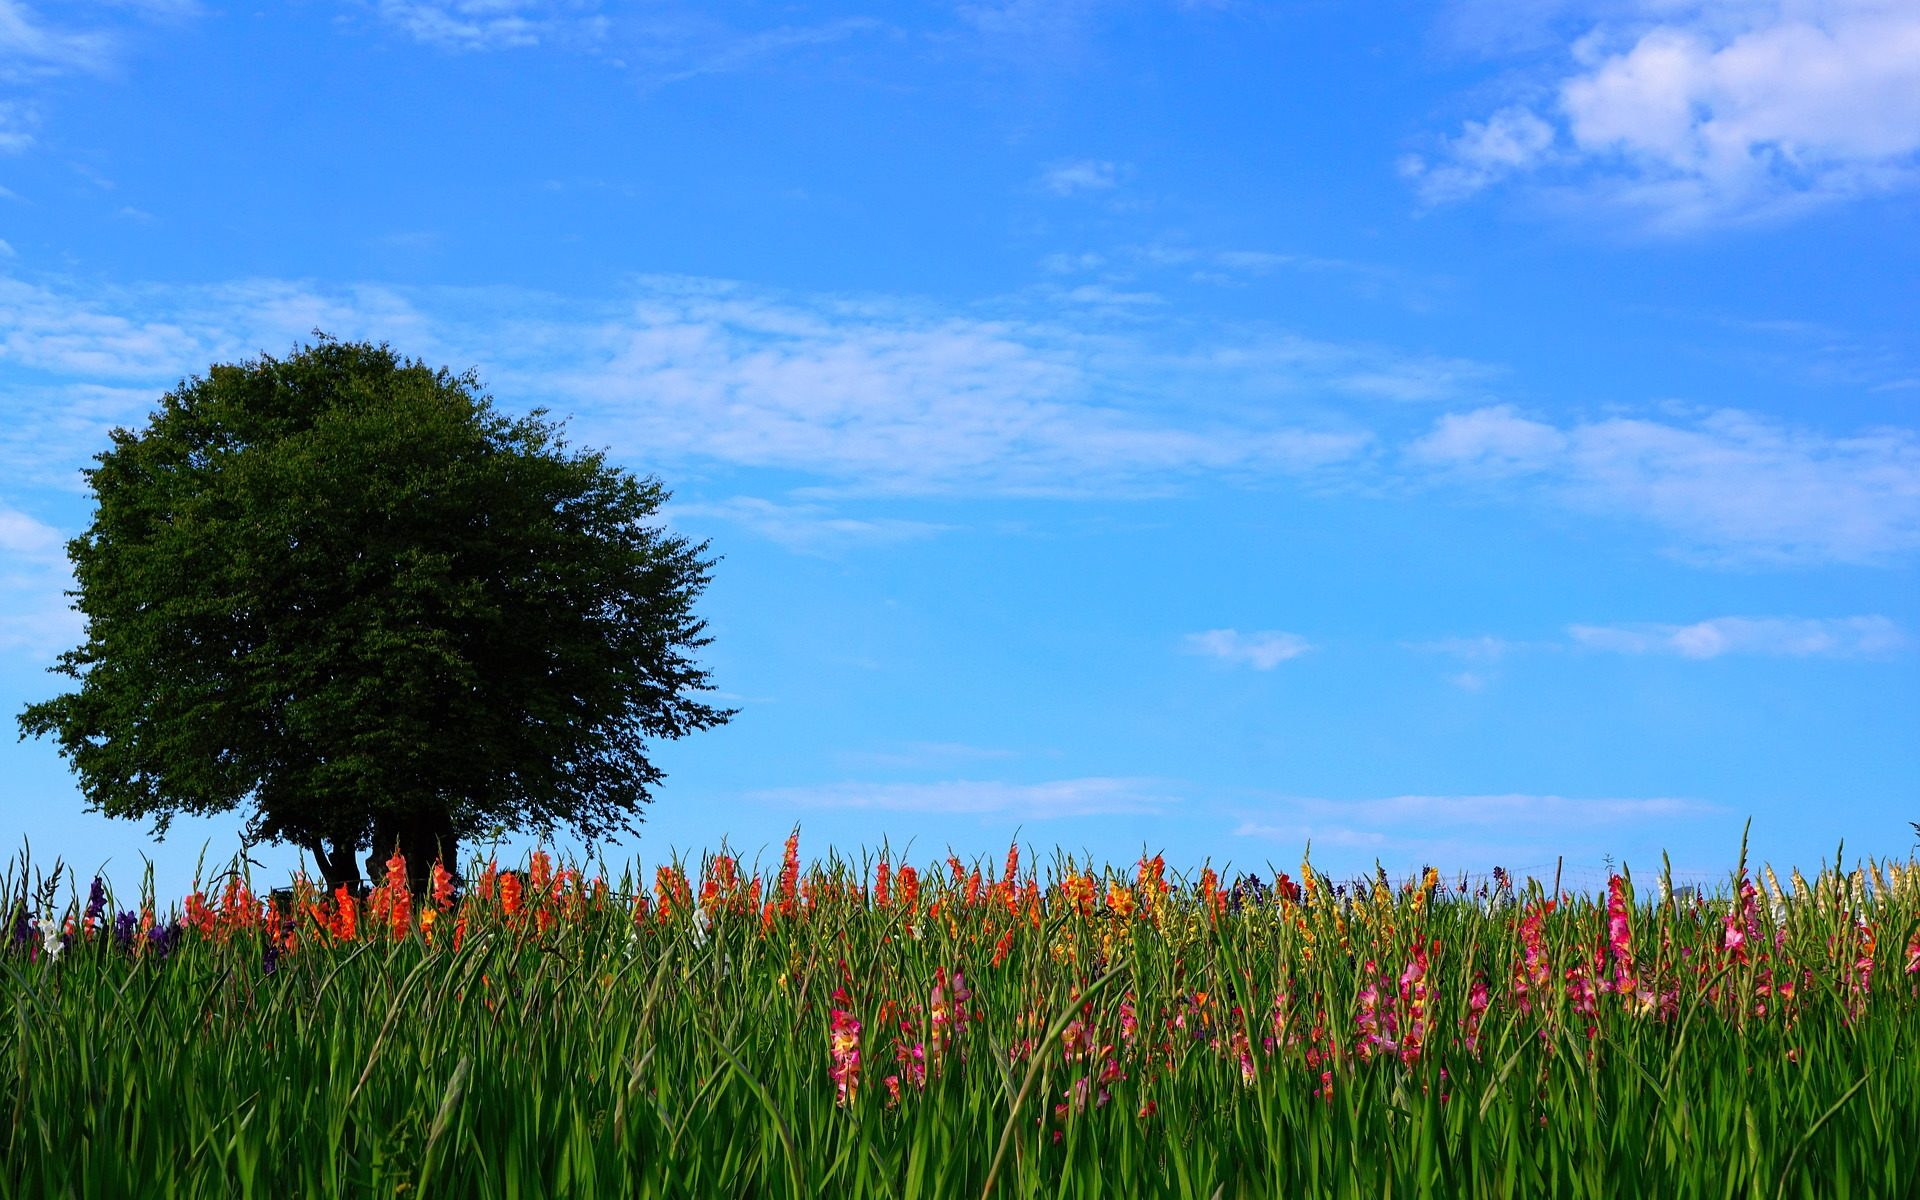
[1108, 1033]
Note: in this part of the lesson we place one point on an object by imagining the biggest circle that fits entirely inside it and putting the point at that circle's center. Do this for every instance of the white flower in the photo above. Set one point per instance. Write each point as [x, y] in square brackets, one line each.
[50, 937]
[913, 931]
[701, 924]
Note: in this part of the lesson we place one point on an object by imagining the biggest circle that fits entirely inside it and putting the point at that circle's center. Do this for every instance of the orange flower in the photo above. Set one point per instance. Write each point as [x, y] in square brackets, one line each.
[344, 914]
[510, 893]
[790, 872]
[442, 887]
[1002, 947]
[1210, 890]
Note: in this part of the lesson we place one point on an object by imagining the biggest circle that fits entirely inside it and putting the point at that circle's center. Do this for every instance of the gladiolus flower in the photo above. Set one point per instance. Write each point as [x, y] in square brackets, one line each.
[50, 940]
[790, 873]
[843, 1046]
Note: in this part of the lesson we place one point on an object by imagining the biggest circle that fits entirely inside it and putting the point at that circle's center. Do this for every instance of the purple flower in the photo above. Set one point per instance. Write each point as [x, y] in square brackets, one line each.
[23, 931]
[123, 927]
[272, 961]
[96, 900]
[163, 939]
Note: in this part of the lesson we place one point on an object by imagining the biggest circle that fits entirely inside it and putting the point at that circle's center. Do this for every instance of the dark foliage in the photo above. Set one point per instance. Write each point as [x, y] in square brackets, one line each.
[340, 592]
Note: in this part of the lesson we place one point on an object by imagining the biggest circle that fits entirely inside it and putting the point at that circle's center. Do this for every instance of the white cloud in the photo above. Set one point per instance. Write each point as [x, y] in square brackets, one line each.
[36, 618]
[1732, 485]
[809, 528]
[17, 121]
[493, 24]
[923, 755]
[1510, 140]
[24, 539]
[1262, 651]
[875, 395]
[1695, 112]
[1038, 801]
[1786, 637]
[885, 396]
[1491, 441]
[1083, 175]
[1485, 648]
[29, 46]
[1472, 832]
[750, 50]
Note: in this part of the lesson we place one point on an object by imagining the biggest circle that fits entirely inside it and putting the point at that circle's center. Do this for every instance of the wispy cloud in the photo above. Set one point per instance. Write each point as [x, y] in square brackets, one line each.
[1693, 113]
[662, 45]
[1471, 832]
[809, 528]
[1731, 485]
[1038, 801]
[30, 46]
[738, 52]
[1484, 648]
[1481, 656]
[877, 395]
[36, 618]
[923, 755]
[1780, 637]
[887, 396]
[1482, 153]
[1082, 175]
[35, 48]
[494, 24]
[1263, 651]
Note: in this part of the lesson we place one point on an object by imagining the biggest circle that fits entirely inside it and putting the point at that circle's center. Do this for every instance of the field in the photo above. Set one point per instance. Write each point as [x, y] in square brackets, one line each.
[963, 1030]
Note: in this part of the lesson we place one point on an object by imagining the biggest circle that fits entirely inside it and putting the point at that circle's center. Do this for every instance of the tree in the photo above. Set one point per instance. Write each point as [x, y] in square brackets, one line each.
[343, 594]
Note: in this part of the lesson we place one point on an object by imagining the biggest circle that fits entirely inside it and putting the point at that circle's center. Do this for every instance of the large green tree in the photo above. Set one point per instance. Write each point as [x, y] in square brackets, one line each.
[340, 593]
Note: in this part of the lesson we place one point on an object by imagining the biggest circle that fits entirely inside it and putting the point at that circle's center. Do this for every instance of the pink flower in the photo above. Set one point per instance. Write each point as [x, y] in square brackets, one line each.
[843, 1040]
[947, 1008]
[1620, 935]
[1477, 1000]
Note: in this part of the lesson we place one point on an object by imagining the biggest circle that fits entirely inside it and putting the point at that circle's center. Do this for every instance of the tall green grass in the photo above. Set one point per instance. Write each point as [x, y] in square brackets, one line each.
[664, 1056]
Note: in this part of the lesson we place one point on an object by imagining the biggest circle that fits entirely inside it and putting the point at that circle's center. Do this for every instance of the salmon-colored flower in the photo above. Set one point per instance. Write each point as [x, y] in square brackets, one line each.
[790, 873]
[843, 1048]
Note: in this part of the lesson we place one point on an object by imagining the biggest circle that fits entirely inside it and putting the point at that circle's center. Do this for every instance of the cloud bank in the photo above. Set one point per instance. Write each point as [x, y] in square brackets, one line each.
[1695, 113]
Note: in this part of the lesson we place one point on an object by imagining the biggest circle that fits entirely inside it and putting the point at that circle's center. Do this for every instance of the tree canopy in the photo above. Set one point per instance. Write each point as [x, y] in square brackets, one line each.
[343, 594]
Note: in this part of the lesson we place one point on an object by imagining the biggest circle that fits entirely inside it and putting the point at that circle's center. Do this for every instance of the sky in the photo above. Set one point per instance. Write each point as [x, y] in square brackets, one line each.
[1469, 433]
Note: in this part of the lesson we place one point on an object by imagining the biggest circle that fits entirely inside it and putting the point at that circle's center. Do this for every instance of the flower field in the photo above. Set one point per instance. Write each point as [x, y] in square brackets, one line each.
[894, 1029]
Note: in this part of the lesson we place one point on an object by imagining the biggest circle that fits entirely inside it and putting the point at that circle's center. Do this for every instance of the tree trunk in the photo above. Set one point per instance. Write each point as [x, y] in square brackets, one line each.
[423, 837]
[335, 863]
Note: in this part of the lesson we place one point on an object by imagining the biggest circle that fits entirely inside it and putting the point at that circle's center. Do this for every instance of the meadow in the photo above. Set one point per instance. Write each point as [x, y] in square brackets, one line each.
[962, 1029]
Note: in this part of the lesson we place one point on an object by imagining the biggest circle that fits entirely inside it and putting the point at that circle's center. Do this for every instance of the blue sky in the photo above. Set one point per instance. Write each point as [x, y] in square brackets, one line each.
[1465, 433]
